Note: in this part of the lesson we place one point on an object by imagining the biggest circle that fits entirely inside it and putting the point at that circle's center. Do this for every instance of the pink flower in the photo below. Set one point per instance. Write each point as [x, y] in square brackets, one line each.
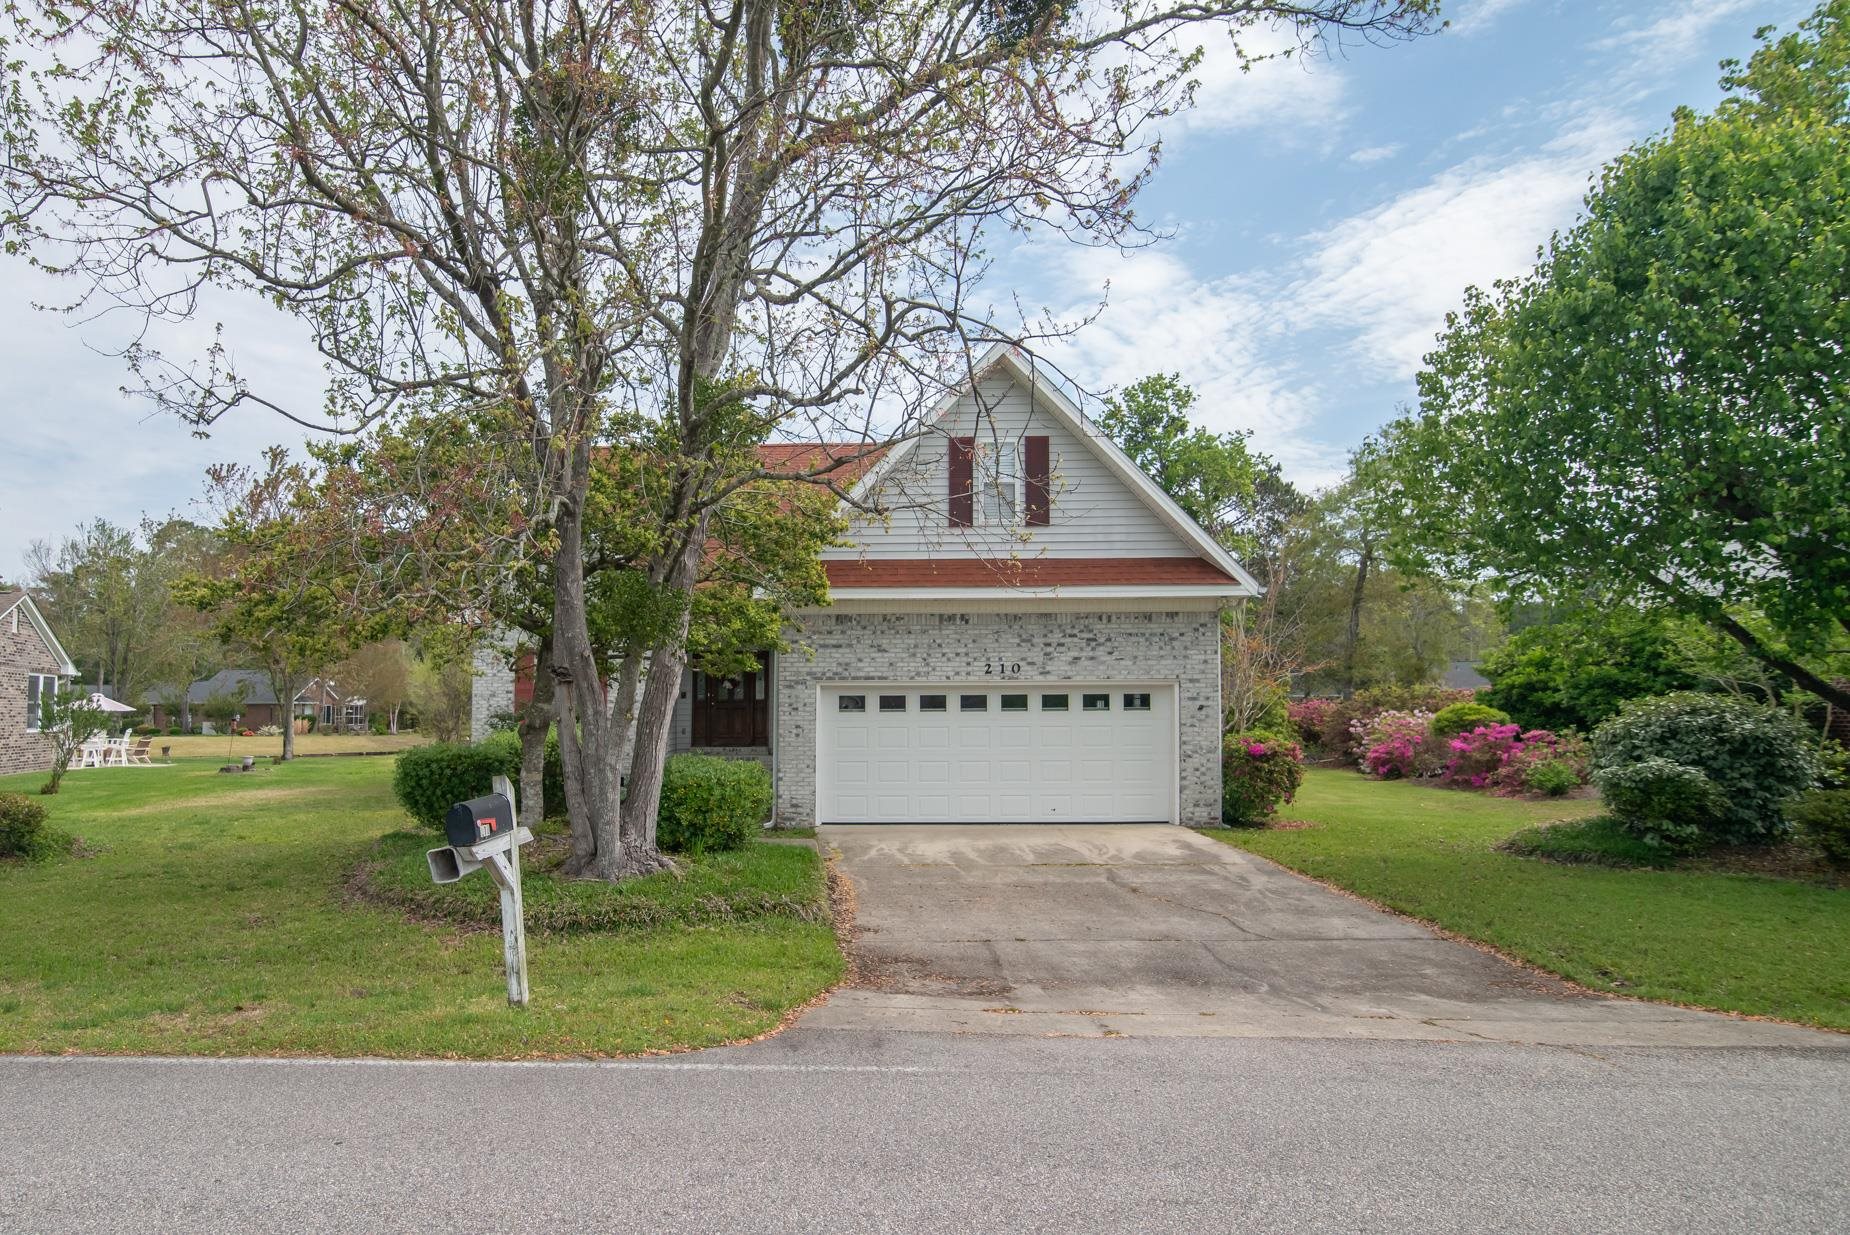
[1255, 748]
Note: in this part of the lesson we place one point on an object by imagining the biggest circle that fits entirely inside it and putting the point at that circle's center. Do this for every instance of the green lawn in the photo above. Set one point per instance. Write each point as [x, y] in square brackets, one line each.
[1743, 943]
[215, 918]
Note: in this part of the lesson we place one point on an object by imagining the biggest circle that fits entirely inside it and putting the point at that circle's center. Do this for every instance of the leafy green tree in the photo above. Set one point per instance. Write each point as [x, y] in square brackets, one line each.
[68, 720]
[1656, 415]
[1575, 668]
[109, 590]
[1210, 475]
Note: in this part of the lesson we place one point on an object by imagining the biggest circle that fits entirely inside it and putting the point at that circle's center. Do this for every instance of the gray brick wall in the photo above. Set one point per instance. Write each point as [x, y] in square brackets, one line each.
[491, 692]
[1155, 646]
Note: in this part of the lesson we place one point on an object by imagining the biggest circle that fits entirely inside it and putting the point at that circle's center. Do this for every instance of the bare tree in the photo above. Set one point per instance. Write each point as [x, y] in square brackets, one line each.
[555, 225]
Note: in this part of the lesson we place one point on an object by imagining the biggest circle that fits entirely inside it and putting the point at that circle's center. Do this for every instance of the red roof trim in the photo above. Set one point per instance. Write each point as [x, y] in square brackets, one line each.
[1035, 573]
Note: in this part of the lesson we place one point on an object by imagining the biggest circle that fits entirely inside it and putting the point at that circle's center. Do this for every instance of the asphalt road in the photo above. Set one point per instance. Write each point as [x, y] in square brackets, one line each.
[914, 1132]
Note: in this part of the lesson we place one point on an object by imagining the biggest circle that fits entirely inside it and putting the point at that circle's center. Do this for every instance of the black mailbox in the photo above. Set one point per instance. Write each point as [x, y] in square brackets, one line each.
[479, 820]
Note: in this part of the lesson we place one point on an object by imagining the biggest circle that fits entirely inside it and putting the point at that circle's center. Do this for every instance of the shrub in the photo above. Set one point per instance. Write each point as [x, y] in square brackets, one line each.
[506, 745]
[1553, 777]
[376, 725]
[1833, 765]
[1824, 816]
[145, 731]
[1667, 804]
[270, 731]
[710, 804]
[1500, 758]
[173, 731]
[23, 833]
[430, 779]
[1457, 718]
[1259, 772]
[1758, 758]
[1393, 744]
[1311, 718]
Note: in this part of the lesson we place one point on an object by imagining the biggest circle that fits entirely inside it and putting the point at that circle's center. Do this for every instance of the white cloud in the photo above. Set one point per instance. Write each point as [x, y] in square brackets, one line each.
[78, 450]
[1388, 275]
[1302, 93]
[1219, 334]
[1375, 154]
[1679, 32]
[1477, 16]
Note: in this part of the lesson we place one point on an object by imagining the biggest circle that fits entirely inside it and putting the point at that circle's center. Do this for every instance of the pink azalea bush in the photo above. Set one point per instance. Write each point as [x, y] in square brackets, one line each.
[1391, 744]
[1259, 772]
[1500, 757]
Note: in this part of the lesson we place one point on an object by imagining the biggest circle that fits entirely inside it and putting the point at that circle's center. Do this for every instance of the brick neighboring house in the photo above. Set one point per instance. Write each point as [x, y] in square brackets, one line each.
[319, 701]
[33, 667]
[1028, 631]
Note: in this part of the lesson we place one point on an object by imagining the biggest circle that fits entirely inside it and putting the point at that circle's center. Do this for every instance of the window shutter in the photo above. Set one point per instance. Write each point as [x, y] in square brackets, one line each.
[1039, 469]
[963, 481]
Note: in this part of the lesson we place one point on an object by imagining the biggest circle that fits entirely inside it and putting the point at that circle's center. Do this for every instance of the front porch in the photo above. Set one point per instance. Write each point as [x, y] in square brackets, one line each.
[729, 717]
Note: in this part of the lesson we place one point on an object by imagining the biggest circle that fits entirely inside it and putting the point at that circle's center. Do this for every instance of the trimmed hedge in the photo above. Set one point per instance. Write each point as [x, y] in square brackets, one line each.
[711, 804]
[1758, 759]
[430, 779]
[1457, 718]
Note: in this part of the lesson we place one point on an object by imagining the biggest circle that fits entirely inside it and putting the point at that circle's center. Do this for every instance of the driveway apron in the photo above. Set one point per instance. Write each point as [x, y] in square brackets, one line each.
[1157, 931]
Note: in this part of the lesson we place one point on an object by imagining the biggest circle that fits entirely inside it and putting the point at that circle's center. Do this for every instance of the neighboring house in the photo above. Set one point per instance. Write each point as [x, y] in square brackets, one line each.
[1025, 631]
[1463, 675]
[320, 701]
[33, 668]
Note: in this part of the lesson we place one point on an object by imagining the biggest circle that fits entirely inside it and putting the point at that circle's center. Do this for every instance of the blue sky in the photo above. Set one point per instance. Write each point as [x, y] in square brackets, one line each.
[1324, 216]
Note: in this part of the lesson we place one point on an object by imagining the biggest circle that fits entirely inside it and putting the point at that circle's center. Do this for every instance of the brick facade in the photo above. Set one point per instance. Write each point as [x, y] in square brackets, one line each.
[1165, 645]
[22, 652]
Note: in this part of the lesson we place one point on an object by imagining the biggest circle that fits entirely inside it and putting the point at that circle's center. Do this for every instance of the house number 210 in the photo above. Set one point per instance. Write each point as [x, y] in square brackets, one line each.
[1002, 669]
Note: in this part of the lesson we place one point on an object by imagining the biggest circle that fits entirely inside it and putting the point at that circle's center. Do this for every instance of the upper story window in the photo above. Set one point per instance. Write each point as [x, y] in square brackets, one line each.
[997, 472]
[998, 483]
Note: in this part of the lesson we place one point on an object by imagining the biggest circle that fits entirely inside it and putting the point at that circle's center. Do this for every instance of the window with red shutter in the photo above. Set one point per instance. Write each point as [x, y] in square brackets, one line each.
[1037, 464]
[962, 481]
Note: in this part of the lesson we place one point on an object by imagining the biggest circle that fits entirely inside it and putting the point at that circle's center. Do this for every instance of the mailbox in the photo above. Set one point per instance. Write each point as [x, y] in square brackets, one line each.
[478, 820]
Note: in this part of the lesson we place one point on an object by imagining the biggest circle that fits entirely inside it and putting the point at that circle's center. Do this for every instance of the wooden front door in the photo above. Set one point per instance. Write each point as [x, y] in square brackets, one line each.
[734, 711]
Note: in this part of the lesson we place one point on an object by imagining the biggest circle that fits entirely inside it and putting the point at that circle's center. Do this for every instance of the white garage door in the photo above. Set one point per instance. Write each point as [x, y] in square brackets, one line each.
[1060, 753]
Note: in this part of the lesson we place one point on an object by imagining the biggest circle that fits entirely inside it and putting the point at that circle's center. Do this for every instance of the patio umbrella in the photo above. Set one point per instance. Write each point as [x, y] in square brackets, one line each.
[103, 703]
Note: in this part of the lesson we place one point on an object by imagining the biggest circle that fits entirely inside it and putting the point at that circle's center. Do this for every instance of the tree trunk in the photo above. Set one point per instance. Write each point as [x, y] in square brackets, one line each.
[1353, 636]
[638, 852]
[592, 796]
[1798, 674]
[535, 720]
[284, 688]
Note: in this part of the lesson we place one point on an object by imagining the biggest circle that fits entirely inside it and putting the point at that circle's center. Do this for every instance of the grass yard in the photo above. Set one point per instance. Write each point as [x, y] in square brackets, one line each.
[199, 746]
[215, 918]
[1743, 943]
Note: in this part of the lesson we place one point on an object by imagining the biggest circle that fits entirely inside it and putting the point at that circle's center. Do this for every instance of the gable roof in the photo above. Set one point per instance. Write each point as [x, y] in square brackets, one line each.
[255, 683]
[1049, 398]
[20, 599]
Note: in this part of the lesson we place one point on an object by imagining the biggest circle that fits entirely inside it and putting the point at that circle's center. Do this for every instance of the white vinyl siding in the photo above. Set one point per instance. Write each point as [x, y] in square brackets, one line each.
[1094, 514]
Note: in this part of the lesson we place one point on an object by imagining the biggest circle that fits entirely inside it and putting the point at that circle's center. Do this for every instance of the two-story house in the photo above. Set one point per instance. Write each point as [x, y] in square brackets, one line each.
[1024, 629]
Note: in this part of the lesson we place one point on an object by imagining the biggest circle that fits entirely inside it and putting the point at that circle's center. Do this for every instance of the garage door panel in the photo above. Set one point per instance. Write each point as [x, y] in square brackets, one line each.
[900, 764]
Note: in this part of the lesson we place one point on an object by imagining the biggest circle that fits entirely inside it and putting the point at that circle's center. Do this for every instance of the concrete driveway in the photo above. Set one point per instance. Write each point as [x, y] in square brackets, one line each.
[1155, 931]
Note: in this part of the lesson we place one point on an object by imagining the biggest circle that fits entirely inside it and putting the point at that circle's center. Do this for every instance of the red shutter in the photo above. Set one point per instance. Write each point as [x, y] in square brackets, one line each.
[1039, 469]
[963, 481]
